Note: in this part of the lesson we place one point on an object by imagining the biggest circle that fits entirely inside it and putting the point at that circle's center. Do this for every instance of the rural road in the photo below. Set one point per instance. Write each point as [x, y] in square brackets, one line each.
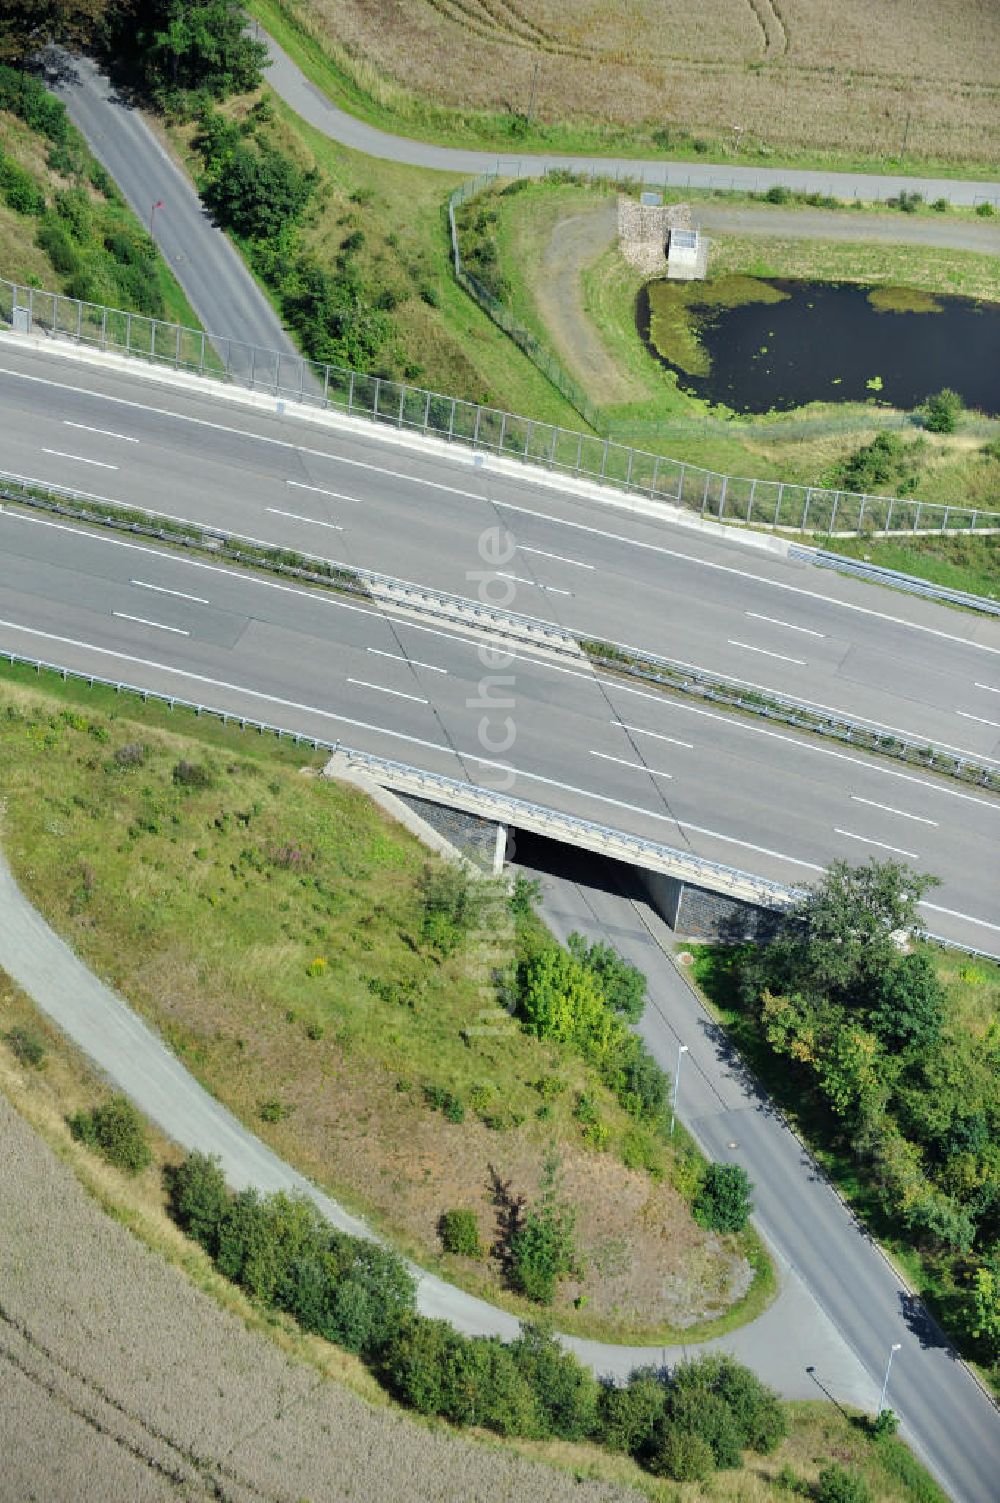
[942, 1402]
[825, 1335]
[294, 88]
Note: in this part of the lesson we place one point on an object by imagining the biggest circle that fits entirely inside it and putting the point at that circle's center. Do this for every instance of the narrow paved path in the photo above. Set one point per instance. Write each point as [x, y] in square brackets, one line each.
[138, 1062]
[306, 100]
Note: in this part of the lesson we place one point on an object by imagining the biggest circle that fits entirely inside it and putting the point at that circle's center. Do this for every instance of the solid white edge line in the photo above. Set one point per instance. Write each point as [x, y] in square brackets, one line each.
[875, 765]
[178, 631]
[478, 496]
[990, 688]
[865, 840]
[362, 683]
[920, 818]
[78, 459]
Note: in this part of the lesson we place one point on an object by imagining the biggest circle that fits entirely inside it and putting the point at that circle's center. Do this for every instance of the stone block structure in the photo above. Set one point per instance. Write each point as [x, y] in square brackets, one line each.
[644, 235]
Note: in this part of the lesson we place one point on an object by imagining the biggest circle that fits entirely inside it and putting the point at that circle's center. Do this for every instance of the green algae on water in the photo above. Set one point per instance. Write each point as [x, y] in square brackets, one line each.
[903, 300]
[679, 310]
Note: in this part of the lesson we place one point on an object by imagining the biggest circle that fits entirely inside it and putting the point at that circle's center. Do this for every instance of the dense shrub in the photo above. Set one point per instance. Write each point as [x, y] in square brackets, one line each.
[887, 463]
[258, 192]
[193, 46]
[623, 984]
[20, 191]
[194, 775]
[199, 1199]
[117, 1132]
[459, 1233]
[680, 1454]
[723, 1200]
[628, 1417]
[943, 410]
[448, 904]
[27, 97]
[566, 1394]
[57, 245]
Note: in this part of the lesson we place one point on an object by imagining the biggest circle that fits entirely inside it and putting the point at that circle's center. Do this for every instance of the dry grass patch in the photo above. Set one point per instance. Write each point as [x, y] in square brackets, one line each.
[792, 80]
[270, 926]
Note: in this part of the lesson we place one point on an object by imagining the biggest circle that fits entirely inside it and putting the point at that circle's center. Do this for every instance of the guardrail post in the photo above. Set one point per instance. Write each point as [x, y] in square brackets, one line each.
[656, 472]
[326, 386]
[861, 513]
[888, 517]
[402, 400]
[350, 395]
[201, 358]
[777, 504]
[503, 432]
[722, 495]
[805, 509]
[427, 412]
[475, 431]
[451, 420]
[753, 488]
[79, 320]
[916, 516]
[944, 519]
[833, 513]
[177, 348]
[604, 459]
[704, 499]
[628, 472]
[104, 329]
[128, 333]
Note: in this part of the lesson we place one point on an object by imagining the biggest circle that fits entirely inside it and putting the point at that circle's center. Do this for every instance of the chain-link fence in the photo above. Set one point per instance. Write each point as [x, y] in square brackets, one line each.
[733, 498]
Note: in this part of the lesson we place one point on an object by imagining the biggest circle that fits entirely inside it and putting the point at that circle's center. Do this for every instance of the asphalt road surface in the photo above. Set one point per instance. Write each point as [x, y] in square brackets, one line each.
[715, 603]
[950, 1422]
[825, 1337]
[724, 787]
[216, 282]
[295, 89]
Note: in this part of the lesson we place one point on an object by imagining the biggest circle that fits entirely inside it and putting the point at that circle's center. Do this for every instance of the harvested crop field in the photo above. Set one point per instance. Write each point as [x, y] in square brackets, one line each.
[269, 924]
[119, 1379]
[794, 76]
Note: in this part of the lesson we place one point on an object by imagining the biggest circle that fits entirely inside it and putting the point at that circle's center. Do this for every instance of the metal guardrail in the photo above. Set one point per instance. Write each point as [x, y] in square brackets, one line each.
[277, 559]
[458, 609]
[501, 806]
[584, 456]
[710, 874]
[862, 735]
[878, 574]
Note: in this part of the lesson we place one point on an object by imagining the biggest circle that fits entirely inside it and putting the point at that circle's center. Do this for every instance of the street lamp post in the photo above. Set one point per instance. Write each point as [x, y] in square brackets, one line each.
[682, 1049]
[885, 1382]
[152, 214]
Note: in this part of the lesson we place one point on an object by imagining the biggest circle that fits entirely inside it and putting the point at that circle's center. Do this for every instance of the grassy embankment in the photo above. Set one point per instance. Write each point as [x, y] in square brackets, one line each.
[270, 926]
[806, 119]
[972, 1017]
[115, 1276]
[69, 229]
[814, 445]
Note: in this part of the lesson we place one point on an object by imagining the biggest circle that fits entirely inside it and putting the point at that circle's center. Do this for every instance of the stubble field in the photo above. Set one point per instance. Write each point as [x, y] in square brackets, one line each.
[798, 76]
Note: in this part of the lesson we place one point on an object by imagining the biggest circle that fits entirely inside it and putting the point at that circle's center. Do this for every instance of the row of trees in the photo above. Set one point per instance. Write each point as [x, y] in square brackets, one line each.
[284, 1255]
[909, 1087]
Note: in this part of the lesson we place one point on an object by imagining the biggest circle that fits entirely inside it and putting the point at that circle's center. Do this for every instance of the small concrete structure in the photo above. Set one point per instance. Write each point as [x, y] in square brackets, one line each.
[660, 239]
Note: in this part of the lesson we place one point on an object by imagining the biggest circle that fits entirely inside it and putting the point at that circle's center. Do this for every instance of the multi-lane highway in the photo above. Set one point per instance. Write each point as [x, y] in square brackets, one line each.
[728, 788]
[712, 602]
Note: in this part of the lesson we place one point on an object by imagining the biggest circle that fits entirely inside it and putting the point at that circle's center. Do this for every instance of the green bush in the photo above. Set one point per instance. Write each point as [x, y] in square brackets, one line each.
[194, 47]
[943, 410]
[623, 984]
[27, 97]
[885, 1423]
[27, 1045]
[199, 1199]
[56, 244]
[886, 463]
[117, 1132]
[192, 775]
[756, 1410]
[723, 1202]
[20, 191]
[778, 194]
[837, 1484]
[258, 192]
[680, 1454]
[629, 1417]
[985, 210]
[449, 906]
[566, 1394]
[459, 1233]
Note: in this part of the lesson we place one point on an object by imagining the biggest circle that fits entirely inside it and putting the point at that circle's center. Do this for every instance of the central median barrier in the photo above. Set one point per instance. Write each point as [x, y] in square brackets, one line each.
[407, 597]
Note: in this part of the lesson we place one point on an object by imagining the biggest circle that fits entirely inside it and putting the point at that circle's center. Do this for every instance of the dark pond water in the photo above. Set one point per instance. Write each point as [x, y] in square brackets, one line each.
[826, 341]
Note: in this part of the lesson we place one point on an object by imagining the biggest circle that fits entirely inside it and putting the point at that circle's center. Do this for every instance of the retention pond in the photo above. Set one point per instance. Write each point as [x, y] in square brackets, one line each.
[760, 345]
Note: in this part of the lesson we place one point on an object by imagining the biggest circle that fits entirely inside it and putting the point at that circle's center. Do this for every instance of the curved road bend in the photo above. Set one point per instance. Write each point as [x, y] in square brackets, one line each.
[946, 1417]
[418, 512]
[794, 1345]
[288, 81]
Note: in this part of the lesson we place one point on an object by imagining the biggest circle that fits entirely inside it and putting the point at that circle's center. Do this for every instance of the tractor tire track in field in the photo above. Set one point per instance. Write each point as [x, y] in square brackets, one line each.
[88, 1401]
